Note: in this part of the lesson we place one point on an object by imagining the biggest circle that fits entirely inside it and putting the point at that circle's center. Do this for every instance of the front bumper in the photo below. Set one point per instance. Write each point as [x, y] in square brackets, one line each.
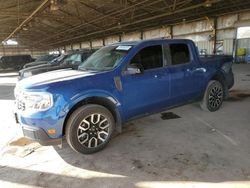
[39, 135]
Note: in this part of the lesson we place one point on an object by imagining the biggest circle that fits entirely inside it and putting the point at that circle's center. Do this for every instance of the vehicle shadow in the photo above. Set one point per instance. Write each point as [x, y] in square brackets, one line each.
[47, 179]
[153, 149]
[24, 177]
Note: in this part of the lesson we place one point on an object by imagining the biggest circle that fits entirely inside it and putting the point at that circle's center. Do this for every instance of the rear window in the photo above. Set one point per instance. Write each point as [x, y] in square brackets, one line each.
[179, 54]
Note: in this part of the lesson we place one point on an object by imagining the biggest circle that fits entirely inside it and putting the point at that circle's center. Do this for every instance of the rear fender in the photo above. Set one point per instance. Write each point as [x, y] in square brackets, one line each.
[220, 76]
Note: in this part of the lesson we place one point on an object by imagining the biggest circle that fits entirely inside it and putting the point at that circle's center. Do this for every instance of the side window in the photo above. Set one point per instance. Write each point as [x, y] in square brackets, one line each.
[179, 54]
[149, 57]
[77, 59]
[74, 58]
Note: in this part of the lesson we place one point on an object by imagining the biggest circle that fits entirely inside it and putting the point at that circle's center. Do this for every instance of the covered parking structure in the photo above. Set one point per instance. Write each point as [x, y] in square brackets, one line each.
[65, 25]
[182, 147]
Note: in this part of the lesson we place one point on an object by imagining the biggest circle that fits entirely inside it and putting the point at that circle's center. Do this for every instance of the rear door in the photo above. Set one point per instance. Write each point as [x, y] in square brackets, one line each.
[183, 70]
[149, 91]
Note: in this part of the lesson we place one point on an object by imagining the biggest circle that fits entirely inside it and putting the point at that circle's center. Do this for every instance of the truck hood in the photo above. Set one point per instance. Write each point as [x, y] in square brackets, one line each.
[52, 77]
[35, 67]
[35, 63]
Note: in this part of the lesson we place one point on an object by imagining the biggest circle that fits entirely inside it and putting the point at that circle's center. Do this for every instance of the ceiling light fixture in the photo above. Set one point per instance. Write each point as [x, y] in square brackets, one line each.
[25, 28]
[208, 3]
[53, 5]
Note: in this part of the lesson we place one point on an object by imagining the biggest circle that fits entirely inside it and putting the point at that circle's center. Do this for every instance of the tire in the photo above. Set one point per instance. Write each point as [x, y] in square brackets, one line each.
[89, 128]
[231, 79]
[213, 96]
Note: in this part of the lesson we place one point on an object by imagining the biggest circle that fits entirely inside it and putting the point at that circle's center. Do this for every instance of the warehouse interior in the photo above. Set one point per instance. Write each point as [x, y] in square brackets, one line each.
[191, 149]
[44, 26]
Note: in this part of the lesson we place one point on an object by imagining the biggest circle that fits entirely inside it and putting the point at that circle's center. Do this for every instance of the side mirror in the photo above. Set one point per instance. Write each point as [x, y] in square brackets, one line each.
[134, 69]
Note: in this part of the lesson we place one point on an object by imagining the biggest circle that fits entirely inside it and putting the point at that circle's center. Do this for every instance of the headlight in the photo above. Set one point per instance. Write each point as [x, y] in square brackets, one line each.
[27, 74]
[34, 101]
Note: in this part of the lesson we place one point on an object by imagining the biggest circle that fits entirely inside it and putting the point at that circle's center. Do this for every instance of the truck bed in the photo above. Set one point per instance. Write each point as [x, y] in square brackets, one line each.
[216, 59]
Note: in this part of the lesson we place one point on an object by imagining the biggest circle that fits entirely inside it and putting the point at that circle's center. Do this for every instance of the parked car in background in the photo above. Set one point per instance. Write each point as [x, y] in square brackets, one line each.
[14, 61]
[41, 60]
[203, 52]
[71, 61]
[117, 83]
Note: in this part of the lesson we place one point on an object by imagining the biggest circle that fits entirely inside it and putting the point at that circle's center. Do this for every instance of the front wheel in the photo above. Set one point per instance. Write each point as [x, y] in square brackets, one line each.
[89, 128]
[213, 96]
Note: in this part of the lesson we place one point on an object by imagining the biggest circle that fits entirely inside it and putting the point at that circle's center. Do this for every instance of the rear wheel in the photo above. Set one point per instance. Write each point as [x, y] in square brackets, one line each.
[213, 97]
[89, 128]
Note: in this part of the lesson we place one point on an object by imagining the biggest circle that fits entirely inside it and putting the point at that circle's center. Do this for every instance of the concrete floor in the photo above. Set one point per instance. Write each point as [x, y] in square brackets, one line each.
[199, 149]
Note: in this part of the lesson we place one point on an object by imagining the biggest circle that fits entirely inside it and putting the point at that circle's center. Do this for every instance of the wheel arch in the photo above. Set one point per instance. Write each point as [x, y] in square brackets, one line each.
[219, 76]
[100, 100]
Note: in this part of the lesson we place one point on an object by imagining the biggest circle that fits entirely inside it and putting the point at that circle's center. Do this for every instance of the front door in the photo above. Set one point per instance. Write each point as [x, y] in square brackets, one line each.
[149, 91]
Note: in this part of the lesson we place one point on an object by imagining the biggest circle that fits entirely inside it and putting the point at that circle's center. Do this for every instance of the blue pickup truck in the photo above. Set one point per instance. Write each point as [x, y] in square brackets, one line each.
[117, 83]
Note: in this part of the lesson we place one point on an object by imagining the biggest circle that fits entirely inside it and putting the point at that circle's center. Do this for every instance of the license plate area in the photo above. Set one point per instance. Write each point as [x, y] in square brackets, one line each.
[29, 133]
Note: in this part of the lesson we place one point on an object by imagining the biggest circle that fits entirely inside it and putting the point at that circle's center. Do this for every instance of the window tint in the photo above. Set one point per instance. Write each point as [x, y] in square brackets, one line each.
[106, 58]
[179, 54]
[73, 59]
[149, 57]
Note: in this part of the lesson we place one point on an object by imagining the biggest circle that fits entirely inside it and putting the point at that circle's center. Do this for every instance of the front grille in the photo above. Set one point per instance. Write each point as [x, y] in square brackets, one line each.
[20, 105]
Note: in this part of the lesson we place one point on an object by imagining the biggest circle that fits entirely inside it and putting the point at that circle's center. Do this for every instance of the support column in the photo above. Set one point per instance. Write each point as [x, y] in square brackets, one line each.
[171, 31]
[215, 35]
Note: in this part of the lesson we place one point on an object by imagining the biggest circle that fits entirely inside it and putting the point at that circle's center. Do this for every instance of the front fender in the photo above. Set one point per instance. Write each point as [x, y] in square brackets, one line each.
[75, 100]
[93, 93]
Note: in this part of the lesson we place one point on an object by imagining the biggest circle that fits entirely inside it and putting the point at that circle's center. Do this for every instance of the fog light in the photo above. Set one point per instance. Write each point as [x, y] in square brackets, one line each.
[52, 131]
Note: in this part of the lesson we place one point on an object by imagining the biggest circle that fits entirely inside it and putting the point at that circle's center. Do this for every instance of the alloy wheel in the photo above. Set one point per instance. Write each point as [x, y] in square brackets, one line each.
[93, 130]
[215, 97]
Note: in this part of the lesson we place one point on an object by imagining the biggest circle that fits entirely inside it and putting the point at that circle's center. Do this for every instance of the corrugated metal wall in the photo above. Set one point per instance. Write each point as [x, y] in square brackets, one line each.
[131, 36]
[228, 45]
[76, 46]
[157, 33]
[85, 45]
[244, 43]
[97, 43]
[9, 50]
[197, 31]
[111, 40]
[68, 48]
[207, 45]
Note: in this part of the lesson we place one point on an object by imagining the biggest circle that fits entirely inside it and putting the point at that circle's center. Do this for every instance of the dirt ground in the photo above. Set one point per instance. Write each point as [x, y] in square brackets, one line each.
[183, 147]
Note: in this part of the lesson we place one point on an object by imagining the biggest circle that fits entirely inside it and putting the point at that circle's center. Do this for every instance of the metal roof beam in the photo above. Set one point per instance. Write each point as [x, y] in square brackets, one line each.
[27, 19]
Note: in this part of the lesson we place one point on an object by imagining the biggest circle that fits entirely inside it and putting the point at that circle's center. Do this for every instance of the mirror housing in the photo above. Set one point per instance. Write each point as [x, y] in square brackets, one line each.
[135, 68]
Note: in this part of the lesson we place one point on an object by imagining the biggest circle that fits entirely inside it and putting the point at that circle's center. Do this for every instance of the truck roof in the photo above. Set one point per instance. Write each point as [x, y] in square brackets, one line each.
[133, 43]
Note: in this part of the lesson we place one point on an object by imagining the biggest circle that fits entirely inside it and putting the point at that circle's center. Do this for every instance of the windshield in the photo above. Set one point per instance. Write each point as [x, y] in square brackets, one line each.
[106, 58]
[73, 59]
[58, 59]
